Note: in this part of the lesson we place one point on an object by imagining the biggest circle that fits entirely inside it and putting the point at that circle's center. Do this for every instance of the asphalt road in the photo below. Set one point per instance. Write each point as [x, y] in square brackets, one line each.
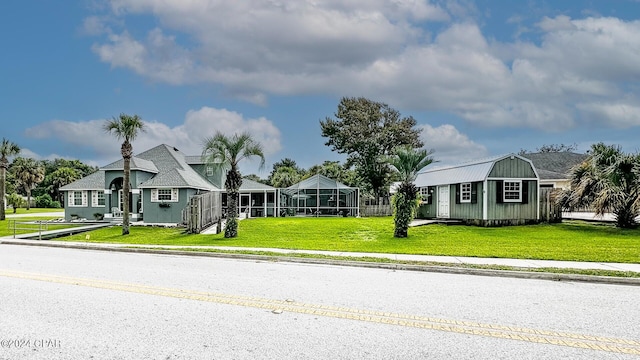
[82, 304]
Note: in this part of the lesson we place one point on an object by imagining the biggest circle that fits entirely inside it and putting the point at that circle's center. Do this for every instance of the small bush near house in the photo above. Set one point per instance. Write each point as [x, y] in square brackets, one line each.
[45, 201]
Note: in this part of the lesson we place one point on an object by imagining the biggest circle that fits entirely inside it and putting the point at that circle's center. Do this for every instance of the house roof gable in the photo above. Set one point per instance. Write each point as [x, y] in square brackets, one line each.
[555, 165]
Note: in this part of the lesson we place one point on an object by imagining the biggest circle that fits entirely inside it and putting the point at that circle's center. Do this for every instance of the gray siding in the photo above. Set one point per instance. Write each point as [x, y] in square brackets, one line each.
[217, 177]
[465, 211]
[80, 212]
[512, 168]
[153, 212]
[513, 211]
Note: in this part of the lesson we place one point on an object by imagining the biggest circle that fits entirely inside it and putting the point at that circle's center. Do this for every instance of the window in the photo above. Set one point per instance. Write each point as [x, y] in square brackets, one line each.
[77, 198]
[465, 193]
[97, 198]
[209, 171]
[164, 194]
[512, 191]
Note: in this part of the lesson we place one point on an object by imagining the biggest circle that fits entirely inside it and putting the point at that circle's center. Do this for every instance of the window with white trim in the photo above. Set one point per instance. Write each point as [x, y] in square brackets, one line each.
[512, 191]
[97, 198]
[77, 198]
[209, 171]
[164, 195]
[465, 192]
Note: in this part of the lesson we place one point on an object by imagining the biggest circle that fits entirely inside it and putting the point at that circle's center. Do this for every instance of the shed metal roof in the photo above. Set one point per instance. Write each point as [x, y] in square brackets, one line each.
[474, 171]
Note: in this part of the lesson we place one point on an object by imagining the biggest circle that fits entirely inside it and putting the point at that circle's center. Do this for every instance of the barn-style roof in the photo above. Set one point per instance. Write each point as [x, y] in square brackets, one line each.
[474, 171]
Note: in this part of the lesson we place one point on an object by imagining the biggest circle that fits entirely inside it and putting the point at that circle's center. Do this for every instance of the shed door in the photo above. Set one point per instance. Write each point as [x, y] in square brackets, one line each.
[443, 201]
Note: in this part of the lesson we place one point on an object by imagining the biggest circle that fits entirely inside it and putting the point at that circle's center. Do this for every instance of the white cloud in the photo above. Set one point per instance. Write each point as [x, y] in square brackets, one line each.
[619, 114]
[450, 146]
[382, 49]
[188, 137]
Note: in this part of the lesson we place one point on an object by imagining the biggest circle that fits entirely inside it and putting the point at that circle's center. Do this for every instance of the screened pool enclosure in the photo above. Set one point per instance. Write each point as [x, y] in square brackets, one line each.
[319, 196]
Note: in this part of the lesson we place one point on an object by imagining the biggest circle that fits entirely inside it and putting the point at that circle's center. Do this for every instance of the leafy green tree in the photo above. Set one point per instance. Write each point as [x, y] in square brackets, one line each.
[52, 183]
[59, 178]
[15, 201]
[407, 162]
[225, 152]
[609, 182]
[28, 174]
[285, 176]
[125, 127]
[7, 150]
[547, 148]
[367, 131]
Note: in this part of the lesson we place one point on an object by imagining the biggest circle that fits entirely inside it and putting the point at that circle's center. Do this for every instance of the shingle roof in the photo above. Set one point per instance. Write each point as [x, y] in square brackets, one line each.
[467, 172]
[137, 163]
[248, 185]
[555, 165]
[167, 163]
[194, 159]
[93, 181]
[173, 169]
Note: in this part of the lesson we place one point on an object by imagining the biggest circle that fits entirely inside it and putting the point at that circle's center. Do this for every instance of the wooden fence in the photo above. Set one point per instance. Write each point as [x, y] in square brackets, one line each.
[202, 211]
[550, 210]
[376, 210]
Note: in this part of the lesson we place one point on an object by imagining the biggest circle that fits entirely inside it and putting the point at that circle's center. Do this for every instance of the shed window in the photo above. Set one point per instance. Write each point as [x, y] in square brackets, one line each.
[512, 191]
[465, 193]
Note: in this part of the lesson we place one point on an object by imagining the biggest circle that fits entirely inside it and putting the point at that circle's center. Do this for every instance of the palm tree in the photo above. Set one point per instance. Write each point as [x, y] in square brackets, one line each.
[226, 152]
[608, 181]
[125, 127]
[407, 162]
[7, 149]
[284, 177]
[28, 173]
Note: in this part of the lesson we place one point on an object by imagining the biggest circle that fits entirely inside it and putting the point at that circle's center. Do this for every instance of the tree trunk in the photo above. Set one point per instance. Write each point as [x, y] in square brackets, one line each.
[126, 156]
[232, 184]
[3, 172]
[28, 198]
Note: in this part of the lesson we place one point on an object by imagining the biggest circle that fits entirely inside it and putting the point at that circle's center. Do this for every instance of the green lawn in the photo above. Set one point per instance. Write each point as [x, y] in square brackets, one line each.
[578, 241]
[33, 211]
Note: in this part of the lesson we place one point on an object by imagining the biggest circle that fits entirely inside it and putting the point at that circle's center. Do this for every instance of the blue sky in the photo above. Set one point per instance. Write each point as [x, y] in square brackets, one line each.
[482, 78]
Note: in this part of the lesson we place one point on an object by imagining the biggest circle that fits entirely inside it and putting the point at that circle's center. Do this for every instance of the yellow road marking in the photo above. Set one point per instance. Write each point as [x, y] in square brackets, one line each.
[615, 345]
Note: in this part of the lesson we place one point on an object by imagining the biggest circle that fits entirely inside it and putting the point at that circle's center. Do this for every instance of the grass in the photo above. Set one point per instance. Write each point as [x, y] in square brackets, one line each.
[6, 226]
[34, 211]
[571, 241]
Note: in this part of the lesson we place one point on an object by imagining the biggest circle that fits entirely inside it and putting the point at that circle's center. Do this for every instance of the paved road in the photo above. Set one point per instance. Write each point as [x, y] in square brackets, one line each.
[80, 304]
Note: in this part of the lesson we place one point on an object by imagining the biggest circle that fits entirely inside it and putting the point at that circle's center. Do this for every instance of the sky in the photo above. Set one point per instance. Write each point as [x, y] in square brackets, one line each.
[481, 78]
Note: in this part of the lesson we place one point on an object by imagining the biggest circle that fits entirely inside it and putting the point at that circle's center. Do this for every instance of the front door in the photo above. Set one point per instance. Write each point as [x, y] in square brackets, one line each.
[443, 201]
[244, 203]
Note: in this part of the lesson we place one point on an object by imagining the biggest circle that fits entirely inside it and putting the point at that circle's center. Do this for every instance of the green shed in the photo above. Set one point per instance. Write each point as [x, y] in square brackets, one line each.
[501, 190]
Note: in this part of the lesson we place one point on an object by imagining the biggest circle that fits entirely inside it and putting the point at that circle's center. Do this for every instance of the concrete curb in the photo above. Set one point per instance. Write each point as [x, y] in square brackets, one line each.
[445, 269]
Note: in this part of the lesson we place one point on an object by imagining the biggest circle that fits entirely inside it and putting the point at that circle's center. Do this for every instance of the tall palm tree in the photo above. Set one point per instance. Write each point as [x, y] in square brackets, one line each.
[407, 162]
[7, 150]
[608, 181]
[28, 173]
[284, 177]
[226, 152]
[125, 127]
